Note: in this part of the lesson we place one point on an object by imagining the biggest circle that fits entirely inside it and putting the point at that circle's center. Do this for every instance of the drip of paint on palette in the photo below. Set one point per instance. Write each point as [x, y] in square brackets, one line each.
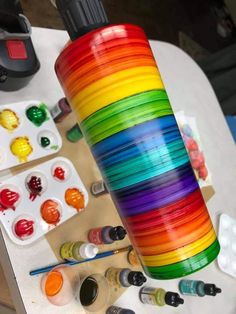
[37, 114]
[8, 199]
[9, 120]
[75, 199]
[21, 148]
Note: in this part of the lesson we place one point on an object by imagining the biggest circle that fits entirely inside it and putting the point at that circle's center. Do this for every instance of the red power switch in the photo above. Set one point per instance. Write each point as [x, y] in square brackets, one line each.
[16, 49]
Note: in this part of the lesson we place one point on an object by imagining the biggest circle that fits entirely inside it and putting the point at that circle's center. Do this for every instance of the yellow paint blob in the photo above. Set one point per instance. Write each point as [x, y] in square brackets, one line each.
[21, 148]
[9, 120]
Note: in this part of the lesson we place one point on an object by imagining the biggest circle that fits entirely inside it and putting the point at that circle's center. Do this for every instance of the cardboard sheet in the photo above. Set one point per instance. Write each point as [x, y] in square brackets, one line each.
[99, 212]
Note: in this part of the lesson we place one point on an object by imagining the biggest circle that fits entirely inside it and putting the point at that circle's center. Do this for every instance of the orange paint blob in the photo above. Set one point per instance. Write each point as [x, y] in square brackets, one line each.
[53, 284]
[74, 198]
[50, 212]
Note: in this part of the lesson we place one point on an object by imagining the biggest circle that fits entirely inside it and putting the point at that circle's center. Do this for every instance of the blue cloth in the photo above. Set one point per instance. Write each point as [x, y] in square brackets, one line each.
[231, 120]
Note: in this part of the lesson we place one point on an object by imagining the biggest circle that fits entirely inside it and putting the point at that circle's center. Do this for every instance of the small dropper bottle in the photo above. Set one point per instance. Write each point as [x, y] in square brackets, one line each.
[61, 110]
[198, 288]
[158, 296]
[124, 277]
[76, 251]
[106, 235]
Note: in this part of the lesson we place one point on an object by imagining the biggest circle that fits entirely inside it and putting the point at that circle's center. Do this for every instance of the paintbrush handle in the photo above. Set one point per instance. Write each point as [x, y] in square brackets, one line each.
[69, 263]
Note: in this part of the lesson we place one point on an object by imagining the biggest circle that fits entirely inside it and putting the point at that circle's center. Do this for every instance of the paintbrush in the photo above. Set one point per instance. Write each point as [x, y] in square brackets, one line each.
[70, 263]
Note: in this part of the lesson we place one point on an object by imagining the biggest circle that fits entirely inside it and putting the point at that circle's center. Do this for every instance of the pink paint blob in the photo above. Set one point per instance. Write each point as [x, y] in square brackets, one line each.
[203, 172]
[24, 228]
[197, 159]
[191, 144]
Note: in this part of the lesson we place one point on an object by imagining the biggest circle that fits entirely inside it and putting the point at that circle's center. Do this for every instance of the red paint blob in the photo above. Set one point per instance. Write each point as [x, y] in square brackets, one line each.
[59, 173]
[24, 228]
[50, 212]
[8, 199]
[35, 187]
[197, 159]
[203, 172]
[191, 144]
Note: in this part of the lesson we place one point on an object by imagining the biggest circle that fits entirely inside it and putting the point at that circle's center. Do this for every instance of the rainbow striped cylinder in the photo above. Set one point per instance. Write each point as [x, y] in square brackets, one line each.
[111, 79]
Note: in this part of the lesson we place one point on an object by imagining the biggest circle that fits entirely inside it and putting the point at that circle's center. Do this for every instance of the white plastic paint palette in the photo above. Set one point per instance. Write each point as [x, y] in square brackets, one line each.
[27, 132]
[227, 239]
[39, 199]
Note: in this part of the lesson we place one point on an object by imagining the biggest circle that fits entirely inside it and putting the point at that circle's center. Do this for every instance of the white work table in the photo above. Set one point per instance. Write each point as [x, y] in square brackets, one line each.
[188, 90]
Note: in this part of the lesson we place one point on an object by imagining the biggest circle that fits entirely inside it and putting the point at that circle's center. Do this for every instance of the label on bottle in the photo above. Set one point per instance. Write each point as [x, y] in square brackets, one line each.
[66, 251]
[95, 236]
[70, 251]
[55, 111]
[147, 295]
[153, 296]
[112, 275]
[189, 287]
[105, 234]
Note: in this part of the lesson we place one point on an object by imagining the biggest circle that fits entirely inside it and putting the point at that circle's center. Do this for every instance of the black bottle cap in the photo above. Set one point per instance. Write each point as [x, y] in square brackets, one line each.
[211, 289]
[136, 278]
[115, 309]
[173, 299]
[117, 233]
[82, 16]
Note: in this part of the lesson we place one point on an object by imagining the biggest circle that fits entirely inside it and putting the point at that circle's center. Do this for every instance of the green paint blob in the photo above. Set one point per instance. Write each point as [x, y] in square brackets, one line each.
[45, 141]
[37, 115]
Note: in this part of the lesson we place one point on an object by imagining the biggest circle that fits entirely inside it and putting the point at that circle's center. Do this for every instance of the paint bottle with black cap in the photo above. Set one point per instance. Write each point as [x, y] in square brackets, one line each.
[159, 297]
[106, 235]
[124, 277]
[198, 288]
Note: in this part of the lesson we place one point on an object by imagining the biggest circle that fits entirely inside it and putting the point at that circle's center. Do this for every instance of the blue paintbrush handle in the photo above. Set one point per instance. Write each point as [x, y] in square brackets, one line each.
[70, 263]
